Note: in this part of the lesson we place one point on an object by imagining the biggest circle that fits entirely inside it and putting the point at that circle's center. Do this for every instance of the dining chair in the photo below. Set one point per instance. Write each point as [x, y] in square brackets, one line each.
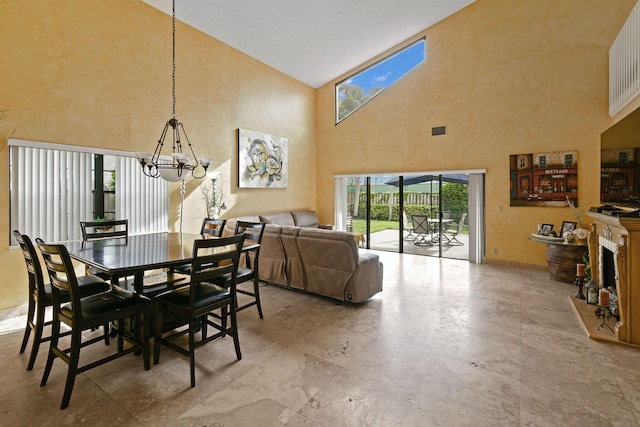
[422, 229]
[84, 313]
[253, 232]
[210, 228]
[40, 297]
[196, 302]
[101, 230]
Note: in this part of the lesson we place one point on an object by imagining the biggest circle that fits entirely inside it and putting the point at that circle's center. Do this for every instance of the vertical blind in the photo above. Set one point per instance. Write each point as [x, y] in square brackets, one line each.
[52, 191]
[142, 200]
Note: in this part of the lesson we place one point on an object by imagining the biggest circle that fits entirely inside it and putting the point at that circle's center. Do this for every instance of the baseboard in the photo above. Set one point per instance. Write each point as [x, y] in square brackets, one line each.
[516, 264]
[12, 319]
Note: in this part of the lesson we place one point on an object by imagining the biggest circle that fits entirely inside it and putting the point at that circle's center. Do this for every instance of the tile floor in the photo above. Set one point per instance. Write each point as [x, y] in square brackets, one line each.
[447, 343]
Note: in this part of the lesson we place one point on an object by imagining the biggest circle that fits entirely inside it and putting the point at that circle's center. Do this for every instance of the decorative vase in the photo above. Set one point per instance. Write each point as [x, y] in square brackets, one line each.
[581, 235]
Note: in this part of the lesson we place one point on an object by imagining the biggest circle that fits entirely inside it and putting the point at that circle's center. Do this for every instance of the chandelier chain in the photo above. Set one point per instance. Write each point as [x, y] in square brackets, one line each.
[172, 167]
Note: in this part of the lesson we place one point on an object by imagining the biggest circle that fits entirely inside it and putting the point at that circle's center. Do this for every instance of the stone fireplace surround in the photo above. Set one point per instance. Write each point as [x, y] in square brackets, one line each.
[621, 236]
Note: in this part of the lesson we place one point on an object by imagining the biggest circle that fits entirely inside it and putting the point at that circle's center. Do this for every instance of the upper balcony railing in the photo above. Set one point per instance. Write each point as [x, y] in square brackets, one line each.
[624, 64]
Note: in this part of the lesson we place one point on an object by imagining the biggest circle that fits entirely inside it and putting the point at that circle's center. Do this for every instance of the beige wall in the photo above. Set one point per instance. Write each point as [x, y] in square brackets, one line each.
[98, 73]
[504, 77]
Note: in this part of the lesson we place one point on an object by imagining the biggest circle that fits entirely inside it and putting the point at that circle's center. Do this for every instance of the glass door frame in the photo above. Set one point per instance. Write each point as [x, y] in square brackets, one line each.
[475, 217]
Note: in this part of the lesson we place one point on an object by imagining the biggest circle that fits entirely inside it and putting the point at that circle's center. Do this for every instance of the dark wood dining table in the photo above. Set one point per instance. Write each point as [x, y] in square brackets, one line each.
[138, 254]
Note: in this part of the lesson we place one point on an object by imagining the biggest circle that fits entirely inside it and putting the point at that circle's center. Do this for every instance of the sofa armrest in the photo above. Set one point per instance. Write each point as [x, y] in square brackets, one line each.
[366, 280]
[326, 226]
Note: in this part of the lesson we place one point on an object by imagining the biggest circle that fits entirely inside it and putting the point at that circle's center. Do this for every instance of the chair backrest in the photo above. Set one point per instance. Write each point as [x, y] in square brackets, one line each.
[405, 220]
[461, 223]
[100, 230]
[213, 258]
[420, 224]
[253, 232]
[61, 271]
[34, 269]
[212, 227]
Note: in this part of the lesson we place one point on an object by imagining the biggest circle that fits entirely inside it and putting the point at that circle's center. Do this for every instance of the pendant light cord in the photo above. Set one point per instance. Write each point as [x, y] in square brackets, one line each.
[173, 73]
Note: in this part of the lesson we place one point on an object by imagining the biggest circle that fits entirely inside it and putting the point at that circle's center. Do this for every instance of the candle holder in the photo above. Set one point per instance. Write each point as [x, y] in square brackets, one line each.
[603, 313]
[579, 282]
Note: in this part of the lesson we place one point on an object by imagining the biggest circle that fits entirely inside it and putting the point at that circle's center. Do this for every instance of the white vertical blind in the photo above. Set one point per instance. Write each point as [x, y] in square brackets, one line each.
[340, 218]
[50, 192]
[476, 218]
[142, 200]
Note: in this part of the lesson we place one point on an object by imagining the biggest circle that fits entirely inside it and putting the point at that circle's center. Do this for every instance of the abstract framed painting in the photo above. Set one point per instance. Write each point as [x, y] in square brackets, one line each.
[262, 160]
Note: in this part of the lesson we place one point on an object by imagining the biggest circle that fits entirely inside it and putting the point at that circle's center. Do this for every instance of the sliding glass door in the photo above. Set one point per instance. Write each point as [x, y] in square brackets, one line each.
[423, 214]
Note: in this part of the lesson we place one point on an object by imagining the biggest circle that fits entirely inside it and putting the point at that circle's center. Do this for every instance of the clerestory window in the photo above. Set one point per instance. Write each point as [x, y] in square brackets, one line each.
[360, 88]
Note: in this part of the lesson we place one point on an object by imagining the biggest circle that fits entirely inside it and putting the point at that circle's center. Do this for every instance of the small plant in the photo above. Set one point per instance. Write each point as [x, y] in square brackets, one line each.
[587, 268]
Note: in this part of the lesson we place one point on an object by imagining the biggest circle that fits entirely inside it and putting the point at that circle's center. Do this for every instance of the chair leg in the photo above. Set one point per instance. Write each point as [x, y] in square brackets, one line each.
[234, 334]
[120, 333]
[37, 335]
[145, 338]
[223, 319]
[256, 292]
[74, 358]
[106, 334]
[55, 335]
[192, 358]
[157, 335]
[203, 327]
[27, 328]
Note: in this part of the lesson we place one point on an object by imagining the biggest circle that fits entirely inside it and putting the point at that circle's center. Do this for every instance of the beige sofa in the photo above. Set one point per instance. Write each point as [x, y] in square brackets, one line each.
[300, 253]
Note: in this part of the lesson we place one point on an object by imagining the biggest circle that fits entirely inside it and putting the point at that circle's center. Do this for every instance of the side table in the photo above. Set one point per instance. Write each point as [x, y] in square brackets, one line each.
[562, 258]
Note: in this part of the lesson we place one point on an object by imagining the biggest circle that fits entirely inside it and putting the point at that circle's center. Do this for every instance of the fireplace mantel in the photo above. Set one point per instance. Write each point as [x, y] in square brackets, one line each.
[621, 236]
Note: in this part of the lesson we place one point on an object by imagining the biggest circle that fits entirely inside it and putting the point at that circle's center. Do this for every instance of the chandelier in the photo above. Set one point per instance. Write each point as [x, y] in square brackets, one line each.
[176, 166]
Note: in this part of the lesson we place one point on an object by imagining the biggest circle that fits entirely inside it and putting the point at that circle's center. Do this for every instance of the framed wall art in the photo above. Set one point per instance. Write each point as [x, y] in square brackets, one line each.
[543, 179]
[262, 160]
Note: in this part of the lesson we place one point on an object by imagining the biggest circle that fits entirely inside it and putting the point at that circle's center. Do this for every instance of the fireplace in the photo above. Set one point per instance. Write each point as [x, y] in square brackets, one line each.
[614, 254]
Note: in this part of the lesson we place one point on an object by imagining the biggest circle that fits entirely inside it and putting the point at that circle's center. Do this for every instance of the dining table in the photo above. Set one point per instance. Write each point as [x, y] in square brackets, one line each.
[138, 254]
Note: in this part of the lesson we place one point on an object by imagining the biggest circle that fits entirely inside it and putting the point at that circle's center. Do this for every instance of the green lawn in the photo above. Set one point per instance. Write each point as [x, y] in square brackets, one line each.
[359, 226]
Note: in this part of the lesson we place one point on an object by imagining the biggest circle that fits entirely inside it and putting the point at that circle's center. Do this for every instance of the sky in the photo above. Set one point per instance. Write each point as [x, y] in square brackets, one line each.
[387, 72]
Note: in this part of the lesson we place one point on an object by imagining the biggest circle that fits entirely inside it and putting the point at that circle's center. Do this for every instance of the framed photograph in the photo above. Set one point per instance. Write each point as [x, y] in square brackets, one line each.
[262, 160]
[567, 227]
[546, 229]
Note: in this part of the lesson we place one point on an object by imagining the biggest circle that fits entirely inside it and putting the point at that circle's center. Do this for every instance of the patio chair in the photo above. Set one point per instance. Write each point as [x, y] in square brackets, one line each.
[451, 234]
[422, 230]
[408, 227]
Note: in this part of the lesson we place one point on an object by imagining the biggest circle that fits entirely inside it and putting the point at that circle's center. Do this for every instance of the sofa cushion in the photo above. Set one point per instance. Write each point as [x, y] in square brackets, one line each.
[283, 218]
[272, 258]
[296, 277]
[305, 218]
[329, 259]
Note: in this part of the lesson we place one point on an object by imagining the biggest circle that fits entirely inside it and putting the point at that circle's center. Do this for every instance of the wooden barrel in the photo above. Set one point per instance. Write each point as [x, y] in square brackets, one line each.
[562, 259]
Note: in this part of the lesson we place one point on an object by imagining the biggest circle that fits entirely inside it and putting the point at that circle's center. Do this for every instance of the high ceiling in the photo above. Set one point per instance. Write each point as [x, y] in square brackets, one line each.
[313, 41]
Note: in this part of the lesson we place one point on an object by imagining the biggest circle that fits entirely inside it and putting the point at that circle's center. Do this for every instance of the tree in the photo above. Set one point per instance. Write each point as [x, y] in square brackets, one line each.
[455, 198]
[352, 96]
